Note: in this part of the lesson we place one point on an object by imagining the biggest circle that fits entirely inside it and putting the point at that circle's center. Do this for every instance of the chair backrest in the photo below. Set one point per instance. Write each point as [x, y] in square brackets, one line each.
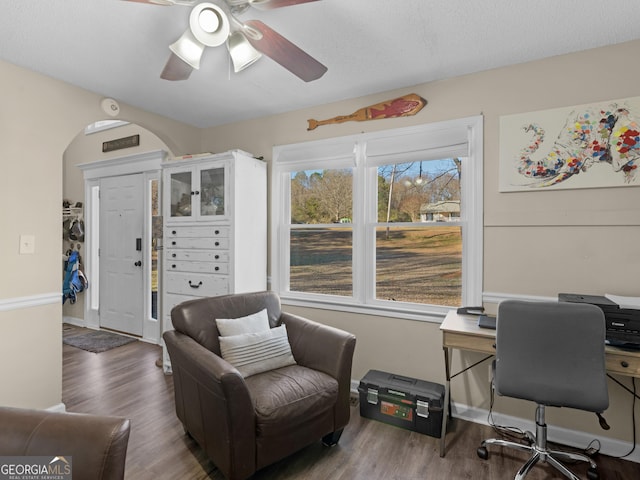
[196, 318]
[552, 353]
[96, 445]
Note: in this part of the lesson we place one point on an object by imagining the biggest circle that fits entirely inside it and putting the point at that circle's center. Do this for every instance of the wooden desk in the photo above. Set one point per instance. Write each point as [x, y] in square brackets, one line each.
[462, 332]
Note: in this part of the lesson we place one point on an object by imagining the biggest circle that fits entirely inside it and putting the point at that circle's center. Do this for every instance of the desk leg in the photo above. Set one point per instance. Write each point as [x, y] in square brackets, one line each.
[445, 407]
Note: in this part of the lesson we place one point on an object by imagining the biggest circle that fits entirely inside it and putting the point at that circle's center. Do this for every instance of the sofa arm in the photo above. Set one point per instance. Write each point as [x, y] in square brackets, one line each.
[214, 405]
[97, 444]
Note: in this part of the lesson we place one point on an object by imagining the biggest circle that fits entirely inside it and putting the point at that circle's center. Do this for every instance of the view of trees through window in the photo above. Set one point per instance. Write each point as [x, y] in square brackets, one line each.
[418, 239]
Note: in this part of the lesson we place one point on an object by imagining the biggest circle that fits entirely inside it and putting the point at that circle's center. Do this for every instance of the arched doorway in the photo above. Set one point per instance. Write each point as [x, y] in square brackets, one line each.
[112, 301]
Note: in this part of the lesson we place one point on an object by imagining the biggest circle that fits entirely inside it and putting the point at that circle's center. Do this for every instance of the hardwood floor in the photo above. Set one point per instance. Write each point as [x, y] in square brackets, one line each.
[126, 382]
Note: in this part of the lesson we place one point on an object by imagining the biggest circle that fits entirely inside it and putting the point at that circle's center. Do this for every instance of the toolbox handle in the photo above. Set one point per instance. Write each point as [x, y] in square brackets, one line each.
[411, 381]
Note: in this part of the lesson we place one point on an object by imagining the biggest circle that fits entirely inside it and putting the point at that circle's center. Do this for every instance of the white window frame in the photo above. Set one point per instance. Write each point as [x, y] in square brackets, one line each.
[363, 152]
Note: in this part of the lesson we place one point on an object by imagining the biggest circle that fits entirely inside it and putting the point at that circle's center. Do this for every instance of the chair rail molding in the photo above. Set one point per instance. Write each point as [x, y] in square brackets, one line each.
[8, 304]
[497, 297]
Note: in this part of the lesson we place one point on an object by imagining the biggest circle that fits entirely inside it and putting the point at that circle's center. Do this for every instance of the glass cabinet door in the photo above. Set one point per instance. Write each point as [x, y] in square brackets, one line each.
[181, 189]
[212, 192]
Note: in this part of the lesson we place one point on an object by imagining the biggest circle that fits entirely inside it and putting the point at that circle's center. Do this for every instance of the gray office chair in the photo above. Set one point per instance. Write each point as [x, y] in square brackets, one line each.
[552, 354]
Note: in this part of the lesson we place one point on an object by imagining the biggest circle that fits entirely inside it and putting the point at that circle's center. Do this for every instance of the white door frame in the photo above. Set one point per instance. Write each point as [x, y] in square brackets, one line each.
[150, 164]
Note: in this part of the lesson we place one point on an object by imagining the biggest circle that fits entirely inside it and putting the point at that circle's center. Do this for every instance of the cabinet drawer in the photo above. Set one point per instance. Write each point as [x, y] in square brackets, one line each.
[171, 300]
[198, 267]
[206, 231]
[191, 242]
[195, 284]
[197, 256]
[623, 363]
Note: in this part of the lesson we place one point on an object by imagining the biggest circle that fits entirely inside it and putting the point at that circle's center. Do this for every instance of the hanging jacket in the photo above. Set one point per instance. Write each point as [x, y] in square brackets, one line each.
[74, 280]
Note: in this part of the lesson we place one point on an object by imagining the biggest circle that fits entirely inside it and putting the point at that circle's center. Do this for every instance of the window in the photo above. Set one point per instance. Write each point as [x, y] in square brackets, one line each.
[386, 222]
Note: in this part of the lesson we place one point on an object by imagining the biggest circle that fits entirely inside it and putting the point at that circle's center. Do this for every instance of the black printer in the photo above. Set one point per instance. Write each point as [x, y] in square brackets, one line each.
[623, 324]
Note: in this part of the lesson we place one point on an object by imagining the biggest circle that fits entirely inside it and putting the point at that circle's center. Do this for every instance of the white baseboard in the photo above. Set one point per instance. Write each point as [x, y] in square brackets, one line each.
[563, 436]
[354, 386]
[78, 322]
[60, 407]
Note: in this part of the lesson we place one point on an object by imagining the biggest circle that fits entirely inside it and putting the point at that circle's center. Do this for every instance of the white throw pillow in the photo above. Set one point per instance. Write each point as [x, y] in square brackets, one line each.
[253, 353]
[254, 323]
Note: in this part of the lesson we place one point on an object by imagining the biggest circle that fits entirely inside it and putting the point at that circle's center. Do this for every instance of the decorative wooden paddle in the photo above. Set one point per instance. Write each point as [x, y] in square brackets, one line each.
[398, 107]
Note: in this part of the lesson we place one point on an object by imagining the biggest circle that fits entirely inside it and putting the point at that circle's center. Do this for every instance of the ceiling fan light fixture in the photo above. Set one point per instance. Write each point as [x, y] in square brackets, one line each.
[209, 24]
[189, 49]
[241, 51]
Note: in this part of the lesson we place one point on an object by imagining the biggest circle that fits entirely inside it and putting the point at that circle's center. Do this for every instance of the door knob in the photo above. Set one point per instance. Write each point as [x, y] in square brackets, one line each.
[138, 263]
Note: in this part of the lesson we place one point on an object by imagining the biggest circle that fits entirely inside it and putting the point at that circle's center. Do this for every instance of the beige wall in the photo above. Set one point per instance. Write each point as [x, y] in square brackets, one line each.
[38, 119]
[536, 243]
[517, 225]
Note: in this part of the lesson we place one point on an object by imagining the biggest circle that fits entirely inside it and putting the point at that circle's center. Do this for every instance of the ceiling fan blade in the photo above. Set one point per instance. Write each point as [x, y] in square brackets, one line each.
[176, 69]
[165, 2]
[153, 2]
[281, 50]
[269, 4]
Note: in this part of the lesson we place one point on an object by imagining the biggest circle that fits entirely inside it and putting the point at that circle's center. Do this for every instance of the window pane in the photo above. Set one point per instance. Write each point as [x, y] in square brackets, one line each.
[156, 233]
[321, 261]
[419, 265]
[405, 190]
[321, 196]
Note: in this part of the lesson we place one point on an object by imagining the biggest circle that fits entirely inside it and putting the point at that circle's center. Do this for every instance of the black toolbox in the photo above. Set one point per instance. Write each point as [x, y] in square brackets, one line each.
[402, 401]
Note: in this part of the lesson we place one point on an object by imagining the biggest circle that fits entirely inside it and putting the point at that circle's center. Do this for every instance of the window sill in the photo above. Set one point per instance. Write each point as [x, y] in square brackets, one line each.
[433, 314]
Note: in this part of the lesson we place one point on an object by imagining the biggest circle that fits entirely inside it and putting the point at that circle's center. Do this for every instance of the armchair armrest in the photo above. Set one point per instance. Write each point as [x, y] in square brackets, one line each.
[318, 346]
[327, 349]
[213, 403]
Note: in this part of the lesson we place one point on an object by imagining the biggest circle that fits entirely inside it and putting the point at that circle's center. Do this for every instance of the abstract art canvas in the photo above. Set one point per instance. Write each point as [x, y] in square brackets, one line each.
[584, 146]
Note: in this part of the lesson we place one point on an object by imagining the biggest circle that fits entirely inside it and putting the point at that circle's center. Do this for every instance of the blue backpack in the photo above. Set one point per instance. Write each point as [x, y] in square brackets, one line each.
[74, 280]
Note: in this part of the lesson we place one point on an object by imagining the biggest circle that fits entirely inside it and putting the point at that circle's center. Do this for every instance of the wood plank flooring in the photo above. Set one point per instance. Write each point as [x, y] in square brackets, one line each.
[126, 382]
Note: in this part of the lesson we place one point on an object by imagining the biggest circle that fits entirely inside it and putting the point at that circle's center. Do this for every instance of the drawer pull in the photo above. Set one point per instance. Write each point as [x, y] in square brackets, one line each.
[217, 232]
[173, 266]
[195, 286]
[217, 244]
[173, 232]
[173, 243]
[217, 257]
[624, 364]
[174, 255]
[217, 268]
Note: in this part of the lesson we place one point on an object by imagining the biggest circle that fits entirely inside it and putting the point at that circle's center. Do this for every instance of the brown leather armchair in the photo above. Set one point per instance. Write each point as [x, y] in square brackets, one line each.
[245, 424]
[96, 444]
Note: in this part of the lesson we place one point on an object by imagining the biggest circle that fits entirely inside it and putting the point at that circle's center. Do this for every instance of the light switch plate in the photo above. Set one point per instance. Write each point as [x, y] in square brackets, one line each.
[27, 244]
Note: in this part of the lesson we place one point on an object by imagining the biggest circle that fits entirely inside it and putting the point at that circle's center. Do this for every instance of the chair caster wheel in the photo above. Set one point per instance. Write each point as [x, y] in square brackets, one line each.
[482, 453]
[592, 474]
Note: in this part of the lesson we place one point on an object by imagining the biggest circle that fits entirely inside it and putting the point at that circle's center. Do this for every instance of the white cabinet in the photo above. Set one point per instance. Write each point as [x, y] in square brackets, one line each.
[196, 193]
[215, 233]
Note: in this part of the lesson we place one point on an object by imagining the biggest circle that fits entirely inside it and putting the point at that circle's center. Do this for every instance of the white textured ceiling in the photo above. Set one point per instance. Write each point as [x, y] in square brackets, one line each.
[118, 49]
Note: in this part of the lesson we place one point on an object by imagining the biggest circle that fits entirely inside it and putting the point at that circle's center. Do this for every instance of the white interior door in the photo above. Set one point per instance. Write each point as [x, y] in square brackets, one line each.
[121, 253]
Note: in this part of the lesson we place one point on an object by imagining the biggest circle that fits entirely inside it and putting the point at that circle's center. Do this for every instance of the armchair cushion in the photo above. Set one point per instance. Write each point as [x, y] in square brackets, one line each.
[287, 398]
[253, 353]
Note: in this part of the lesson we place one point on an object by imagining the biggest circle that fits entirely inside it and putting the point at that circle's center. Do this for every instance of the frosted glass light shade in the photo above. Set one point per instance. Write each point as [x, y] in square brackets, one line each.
[188, 48]
[242, 52]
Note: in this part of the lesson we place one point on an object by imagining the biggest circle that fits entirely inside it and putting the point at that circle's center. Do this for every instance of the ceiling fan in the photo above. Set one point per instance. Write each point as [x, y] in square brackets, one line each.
[214, 22]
